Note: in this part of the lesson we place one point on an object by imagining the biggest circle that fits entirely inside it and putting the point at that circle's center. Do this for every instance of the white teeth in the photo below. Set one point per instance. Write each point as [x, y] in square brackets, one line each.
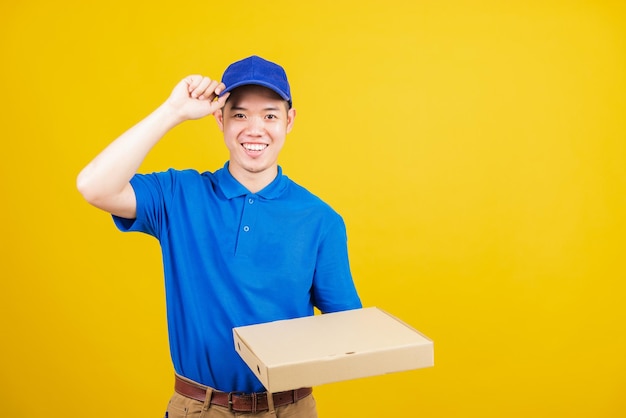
[255, 147]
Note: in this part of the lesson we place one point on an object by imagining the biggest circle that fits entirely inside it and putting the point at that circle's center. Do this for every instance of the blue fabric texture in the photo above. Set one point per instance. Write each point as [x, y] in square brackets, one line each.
[234, 258]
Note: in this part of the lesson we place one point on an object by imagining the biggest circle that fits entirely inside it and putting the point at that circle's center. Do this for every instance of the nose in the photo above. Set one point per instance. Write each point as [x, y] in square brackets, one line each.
[255, 126]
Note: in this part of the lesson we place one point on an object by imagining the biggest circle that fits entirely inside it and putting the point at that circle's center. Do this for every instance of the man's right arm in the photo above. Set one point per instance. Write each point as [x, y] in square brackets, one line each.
[105, 181]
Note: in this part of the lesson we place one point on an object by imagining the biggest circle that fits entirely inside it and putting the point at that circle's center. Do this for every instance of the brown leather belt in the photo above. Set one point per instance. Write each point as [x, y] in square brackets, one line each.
[237, 401]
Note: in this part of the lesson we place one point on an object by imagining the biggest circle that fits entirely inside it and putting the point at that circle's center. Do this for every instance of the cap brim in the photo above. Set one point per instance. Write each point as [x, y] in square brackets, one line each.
[270, 86]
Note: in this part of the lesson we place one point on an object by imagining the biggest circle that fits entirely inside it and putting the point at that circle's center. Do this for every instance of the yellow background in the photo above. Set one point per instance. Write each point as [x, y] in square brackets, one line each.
[476, 150]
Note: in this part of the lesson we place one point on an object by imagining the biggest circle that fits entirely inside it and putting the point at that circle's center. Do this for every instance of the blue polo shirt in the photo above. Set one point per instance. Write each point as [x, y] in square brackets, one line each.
[234, 258]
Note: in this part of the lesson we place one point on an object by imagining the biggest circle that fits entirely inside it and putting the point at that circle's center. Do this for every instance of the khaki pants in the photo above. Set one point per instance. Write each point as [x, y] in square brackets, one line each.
[183, 407]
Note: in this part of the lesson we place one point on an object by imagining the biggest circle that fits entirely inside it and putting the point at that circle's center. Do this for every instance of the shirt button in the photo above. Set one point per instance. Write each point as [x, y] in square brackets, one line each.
[246, 228]
[251, 200]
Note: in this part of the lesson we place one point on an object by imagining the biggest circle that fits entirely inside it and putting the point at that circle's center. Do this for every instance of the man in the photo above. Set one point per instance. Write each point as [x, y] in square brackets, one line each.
[240, 246]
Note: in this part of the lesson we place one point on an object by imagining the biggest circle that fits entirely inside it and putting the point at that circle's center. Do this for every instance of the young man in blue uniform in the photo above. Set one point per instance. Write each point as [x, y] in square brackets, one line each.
[240, 246]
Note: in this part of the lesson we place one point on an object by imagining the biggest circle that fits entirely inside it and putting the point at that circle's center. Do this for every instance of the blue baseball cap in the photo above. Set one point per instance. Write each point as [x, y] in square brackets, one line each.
[258, 71]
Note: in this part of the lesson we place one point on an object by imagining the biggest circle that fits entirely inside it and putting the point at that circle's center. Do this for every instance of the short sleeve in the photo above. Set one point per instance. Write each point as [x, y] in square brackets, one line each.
[152, 192]
[333, 286]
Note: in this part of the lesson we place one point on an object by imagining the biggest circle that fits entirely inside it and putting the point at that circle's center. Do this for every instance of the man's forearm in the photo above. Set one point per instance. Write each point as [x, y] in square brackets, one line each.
[109, 173]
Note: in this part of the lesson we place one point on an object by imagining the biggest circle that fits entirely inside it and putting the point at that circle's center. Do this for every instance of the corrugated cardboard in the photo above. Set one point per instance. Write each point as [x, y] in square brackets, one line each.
[329, 348]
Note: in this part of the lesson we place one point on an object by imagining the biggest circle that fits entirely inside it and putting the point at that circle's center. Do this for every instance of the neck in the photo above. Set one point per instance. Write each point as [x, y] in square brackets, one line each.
[254, 181]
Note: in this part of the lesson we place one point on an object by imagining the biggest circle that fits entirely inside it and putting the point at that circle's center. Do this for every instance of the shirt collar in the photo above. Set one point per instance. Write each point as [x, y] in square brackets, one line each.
[232, 188]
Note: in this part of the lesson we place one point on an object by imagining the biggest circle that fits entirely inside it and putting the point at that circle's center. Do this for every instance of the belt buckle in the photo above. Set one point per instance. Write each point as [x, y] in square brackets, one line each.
[241, 396]
[230, 400]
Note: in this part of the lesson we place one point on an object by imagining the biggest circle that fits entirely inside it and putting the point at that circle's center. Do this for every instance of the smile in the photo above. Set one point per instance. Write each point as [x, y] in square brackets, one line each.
[254, 147]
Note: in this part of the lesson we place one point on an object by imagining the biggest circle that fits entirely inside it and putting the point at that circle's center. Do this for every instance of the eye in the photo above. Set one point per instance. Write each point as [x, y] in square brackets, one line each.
[270, 116]
[239, 116]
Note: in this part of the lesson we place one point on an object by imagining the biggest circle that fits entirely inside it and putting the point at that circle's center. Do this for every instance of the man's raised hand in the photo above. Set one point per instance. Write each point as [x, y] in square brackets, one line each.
[195, 97]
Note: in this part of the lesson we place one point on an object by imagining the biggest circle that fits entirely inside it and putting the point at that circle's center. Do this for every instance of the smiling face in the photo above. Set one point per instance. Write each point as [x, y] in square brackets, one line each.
[255, 122]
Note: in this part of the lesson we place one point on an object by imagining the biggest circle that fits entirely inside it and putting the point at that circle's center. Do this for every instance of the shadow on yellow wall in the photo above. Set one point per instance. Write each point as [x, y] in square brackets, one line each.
[475, 149]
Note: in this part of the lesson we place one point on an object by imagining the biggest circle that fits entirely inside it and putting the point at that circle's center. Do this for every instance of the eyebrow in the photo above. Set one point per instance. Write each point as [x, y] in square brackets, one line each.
[235, 107]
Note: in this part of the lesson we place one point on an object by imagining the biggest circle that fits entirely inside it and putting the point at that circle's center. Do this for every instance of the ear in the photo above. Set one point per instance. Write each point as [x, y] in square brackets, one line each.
[291, 116]
[219, 118]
